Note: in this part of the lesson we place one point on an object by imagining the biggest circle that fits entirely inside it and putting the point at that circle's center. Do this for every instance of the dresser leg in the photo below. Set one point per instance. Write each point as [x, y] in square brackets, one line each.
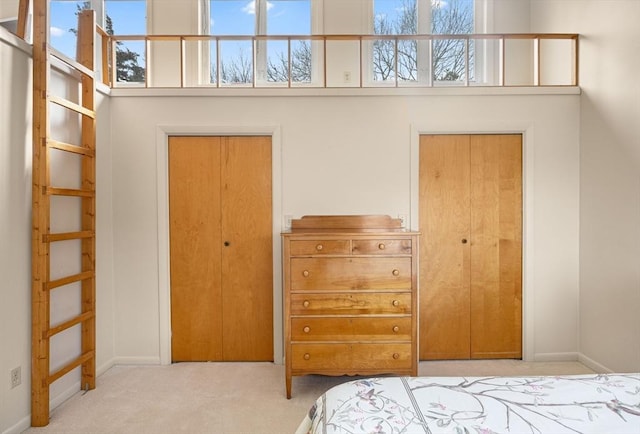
[288, 384]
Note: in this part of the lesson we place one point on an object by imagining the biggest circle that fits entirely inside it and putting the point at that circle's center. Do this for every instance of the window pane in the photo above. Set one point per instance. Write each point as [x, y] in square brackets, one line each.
[130, 61]
[64, 25]
[277, 61]
[236, 62]
[451, 17]
[126, 17]
[301, 61]
[289, 17]
[395, 17]
[391, 62]
[448, 60]
[233, 17]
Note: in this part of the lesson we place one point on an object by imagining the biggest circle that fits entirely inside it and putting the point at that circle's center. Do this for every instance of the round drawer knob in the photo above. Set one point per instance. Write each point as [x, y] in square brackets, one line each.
[307, 356]
[396, 329]
[306, 303]
[306, 329]
[396, 356]
[319, 247]
[396, 272]
[305, 273]
[396, 303]
[381, 246]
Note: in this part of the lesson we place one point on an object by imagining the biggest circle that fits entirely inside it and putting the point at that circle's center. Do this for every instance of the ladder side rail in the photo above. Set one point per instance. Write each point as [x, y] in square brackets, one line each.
[23, 18]
[40, 298]
[86, 57]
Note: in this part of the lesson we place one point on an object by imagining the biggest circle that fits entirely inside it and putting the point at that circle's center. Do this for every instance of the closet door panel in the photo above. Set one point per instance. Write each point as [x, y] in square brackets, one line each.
[194, 232]
[496, 245]
[444, 247]
[247, 258]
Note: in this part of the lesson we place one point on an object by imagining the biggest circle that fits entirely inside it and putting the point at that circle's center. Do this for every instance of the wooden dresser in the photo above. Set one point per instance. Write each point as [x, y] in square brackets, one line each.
[350, 297]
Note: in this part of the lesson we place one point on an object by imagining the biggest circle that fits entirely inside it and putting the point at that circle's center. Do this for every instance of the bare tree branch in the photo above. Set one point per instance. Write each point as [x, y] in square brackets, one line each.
[456, 17]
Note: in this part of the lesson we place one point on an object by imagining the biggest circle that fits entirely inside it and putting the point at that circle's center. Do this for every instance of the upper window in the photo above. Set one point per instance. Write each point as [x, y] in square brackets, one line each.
[233, 60]
[121, 17]
[414, 59]
[127, 17]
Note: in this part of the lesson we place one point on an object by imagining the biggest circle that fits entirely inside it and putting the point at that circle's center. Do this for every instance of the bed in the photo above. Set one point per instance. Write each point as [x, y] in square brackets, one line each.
[602, 404]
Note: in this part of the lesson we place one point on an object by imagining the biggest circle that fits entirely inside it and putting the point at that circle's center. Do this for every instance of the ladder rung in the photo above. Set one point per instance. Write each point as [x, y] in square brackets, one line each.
[64, 236]
[71, 366]
[68, 324]
[71, 148]
[54, 191]
[69, 279]
[72, 106]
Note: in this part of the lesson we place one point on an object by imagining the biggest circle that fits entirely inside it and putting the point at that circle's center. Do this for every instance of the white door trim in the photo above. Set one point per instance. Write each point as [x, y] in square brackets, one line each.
[484, 127]
[162, 160]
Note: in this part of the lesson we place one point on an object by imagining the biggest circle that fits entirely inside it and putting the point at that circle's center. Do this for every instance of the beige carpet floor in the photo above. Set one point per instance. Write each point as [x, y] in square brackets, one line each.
[228, 398]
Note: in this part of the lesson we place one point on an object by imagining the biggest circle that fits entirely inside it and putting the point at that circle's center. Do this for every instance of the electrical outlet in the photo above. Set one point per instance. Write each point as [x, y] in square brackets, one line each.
[403, 220]
[347, 76]
[16, 377]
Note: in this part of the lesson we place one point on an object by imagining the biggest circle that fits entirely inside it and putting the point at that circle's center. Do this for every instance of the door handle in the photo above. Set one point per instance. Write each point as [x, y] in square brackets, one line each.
[464, 241]
[227, 243]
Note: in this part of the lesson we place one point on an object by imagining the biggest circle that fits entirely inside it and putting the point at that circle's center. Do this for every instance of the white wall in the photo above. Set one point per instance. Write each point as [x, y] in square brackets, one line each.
[170, 18]
[15, 236]
[609, 173]
[9, 8]
[15, 228]
[351, 155]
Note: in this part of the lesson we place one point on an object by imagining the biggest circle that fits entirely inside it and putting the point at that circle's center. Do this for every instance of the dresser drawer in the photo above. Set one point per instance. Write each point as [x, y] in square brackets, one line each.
[351, 357]
[351, 329]
[382, 247]
[350, 273]
[351, 304]
[319, 247]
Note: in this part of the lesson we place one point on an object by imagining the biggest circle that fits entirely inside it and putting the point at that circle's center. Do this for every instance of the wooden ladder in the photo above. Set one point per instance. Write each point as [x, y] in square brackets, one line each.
[42, 237]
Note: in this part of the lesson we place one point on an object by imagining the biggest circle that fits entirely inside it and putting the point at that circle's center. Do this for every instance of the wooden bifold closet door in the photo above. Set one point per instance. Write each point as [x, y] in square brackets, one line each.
[471, 246]
[221, 249]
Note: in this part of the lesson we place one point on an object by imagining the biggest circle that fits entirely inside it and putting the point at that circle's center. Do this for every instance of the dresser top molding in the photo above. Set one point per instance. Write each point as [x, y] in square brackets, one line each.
[346, 224]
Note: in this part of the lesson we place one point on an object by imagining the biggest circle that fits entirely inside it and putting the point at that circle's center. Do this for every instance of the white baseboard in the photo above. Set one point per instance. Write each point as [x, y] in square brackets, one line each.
[66, 394]
[105, 367]
[136, 360]
[556, 357]
[20, 426]
[572, 357]
[592, 364]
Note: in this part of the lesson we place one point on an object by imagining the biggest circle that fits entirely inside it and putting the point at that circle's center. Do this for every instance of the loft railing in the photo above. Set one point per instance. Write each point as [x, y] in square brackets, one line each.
[327, 61]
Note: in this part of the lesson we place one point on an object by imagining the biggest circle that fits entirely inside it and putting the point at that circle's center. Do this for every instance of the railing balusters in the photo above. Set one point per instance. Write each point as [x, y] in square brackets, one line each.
[430, 60]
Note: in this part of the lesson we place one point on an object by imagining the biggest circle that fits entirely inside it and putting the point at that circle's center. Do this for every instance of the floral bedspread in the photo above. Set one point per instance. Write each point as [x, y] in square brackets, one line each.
[602, 404]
